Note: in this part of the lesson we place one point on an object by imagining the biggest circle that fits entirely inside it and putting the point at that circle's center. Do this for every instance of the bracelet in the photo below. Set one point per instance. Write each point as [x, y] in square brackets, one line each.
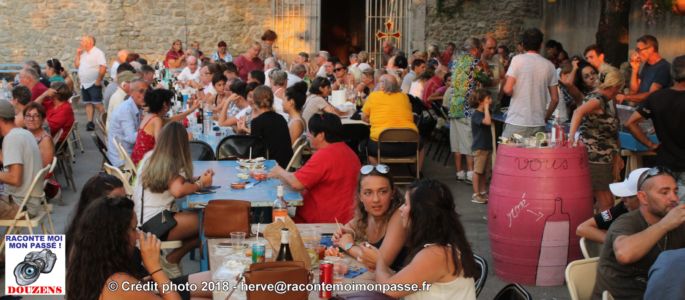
[199, 183]
[153, 273]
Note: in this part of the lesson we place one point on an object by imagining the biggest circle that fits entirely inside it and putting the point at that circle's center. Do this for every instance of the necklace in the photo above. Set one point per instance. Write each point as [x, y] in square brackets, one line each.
[665, 245]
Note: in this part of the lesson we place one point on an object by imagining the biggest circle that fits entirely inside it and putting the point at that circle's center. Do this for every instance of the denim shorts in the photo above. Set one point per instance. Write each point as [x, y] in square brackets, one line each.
[93, 94]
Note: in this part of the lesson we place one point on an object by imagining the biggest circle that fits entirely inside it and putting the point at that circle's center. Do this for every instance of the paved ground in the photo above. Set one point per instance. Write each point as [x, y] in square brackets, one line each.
[472, 215]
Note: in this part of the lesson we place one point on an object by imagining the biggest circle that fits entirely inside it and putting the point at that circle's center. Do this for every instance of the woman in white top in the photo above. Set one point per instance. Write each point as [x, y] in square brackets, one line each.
[439, 253]
[166, 173]
[416, 88]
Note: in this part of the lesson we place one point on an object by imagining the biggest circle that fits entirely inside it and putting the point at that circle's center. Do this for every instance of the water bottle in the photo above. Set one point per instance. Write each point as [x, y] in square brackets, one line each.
[208, 120]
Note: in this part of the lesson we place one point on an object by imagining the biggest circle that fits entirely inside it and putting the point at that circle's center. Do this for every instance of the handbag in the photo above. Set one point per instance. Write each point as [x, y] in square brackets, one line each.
[225, 216]
[288, 272]
[158, 225]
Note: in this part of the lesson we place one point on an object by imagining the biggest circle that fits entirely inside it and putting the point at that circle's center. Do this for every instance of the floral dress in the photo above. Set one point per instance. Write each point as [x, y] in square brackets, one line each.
[463, 83]
[599, 132]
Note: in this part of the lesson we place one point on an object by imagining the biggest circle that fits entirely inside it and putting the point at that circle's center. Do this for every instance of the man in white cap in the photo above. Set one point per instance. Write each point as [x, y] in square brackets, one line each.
[595, 228]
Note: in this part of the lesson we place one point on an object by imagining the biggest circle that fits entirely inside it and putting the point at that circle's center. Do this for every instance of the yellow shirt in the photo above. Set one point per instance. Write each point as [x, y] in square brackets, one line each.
[388, 111]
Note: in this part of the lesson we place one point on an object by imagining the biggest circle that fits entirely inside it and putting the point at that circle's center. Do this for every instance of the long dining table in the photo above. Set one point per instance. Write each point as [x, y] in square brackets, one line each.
[221, 255]
[260, 194]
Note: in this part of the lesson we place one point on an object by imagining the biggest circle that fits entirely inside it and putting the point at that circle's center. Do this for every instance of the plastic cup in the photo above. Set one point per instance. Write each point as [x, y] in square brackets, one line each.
[238, 240]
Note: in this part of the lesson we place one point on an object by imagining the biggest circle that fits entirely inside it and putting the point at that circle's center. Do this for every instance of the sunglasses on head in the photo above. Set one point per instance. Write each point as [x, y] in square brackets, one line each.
[652, 172]
[380, 168]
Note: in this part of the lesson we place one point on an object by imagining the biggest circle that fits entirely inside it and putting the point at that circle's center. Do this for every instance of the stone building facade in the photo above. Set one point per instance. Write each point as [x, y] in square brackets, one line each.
[41, 29]
[456, 20]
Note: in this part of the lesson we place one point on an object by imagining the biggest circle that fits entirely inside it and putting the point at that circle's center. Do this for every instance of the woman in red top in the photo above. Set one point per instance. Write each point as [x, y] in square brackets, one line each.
[158, 103]
[61, 116]
[175, 57]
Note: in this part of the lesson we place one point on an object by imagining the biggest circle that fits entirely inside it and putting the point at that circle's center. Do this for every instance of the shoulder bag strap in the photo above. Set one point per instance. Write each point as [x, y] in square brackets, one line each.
[142, 204]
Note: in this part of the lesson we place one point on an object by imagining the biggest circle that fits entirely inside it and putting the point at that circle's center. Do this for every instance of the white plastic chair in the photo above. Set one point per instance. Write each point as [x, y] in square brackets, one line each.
[22, 218]
[580, 277]
[129, 166]
[116, 172]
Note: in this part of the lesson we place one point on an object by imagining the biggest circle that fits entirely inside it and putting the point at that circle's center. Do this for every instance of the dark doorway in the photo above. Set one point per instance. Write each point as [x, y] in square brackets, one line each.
[343, 26]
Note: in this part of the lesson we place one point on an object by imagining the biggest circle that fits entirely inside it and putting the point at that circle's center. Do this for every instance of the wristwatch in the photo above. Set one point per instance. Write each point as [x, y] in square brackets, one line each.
[348, 246]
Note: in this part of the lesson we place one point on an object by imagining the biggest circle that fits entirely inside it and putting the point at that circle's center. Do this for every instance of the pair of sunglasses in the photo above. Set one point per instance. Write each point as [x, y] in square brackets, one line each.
[654, 171]
[380, 168]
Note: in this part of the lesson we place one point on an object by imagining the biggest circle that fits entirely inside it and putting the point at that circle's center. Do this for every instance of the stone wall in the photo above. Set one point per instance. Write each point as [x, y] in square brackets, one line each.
[669, 29]
[457, 20]
[41, 29]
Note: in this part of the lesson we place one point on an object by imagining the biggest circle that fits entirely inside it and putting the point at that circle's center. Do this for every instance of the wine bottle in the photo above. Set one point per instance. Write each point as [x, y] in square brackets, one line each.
[284, 253]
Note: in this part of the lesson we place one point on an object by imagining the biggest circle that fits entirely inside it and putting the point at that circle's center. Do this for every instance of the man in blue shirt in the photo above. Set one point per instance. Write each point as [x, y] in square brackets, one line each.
[124, 122]
[666, 276]
[655, 73]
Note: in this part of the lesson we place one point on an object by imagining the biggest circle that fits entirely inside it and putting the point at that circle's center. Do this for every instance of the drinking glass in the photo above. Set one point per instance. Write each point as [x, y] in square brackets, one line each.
[238, 240]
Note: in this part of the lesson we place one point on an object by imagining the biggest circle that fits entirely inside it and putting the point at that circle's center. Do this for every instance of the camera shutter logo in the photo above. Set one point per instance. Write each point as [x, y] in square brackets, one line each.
[36, 262]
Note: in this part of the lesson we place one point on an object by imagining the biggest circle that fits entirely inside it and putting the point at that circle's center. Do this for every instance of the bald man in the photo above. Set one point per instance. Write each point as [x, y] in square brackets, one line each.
[496, 74]
[191, 73]
[92, 66]
[121, 58]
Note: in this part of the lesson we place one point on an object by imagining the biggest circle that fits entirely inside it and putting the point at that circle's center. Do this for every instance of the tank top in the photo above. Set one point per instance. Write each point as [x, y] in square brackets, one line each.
[398, 263]
[144, 143]
[457, 289]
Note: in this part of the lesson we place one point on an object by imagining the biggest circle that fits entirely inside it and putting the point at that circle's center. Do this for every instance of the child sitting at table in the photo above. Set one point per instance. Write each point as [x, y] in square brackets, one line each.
[482, 143]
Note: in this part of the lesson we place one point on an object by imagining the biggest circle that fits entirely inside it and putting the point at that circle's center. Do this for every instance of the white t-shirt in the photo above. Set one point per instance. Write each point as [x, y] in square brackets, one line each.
[416, 89]
[293, 79]
[209, 89]
[113, 70]
[534, 75]
[89, 66]
[20, 147]
[267, 80]
[278, 107]
[321, 72]
[187, 75]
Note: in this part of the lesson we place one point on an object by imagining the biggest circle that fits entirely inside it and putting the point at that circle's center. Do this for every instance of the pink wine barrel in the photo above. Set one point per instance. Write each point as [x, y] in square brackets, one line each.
[538, 196]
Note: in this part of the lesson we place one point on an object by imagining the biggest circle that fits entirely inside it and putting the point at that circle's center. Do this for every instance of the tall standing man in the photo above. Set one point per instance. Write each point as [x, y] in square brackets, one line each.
[92, 67]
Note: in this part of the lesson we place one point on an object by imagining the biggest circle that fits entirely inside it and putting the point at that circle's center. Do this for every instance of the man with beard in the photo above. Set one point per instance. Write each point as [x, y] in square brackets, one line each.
[635, 240]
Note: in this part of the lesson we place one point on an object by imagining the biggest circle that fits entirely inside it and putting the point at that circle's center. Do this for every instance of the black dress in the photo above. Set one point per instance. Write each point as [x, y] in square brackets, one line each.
[273, 130]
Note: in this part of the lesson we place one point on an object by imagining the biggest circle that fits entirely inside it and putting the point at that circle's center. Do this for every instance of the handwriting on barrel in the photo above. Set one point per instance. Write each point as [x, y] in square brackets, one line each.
[517, 209]
[536, 164]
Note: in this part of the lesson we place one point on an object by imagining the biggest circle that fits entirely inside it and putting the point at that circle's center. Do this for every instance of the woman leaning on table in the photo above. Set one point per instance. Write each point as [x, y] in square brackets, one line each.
[439, 253]
[165, 174]
[598, 124]
[377, 220]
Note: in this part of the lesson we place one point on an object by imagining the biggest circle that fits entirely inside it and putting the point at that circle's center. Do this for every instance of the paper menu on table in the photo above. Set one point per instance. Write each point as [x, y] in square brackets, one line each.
[338, 98]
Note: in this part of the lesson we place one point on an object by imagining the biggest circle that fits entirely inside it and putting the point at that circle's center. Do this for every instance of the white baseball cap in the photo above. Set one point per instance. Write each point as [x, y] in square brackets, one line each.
[628, 187]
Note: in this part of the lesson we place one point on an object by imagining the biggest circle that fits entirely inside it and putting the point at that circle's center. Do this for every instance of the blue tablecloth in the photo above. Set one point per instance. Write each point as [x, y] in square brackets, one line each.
[261, 195]
[212, 139]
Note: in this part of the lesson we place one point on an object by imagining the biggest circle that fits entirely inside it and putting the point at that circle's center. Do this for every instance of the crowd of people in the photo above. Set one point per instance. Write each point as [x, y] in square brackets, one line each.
[254, 94]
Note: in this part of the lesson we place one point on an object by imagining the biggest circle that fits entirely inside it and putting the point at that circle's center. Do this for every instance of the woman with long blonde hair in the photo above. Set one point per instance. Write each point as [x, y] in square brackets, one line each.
[166, 173]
